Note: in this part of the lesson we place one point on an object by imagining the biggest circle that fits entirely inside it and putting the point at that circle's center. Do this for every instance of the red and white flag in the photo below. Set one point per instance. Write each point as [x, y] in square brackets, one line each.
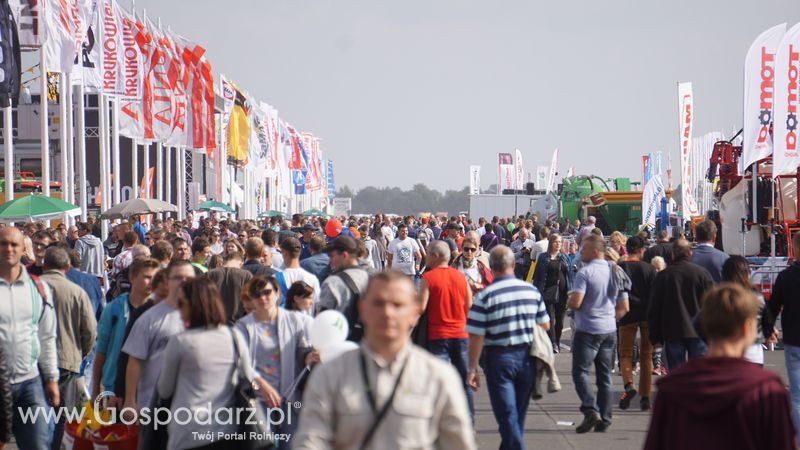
[66, 22]
[30, 19]
[551, 178]
[506, 174]
[786, 158]
[759, 93]
[685, 114]
[131, 119]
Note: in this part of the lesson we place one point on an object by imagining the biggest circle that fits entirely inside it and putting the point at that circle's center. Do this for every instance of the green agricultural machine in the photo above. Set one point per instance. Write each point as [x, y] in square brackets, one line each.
[619, 208]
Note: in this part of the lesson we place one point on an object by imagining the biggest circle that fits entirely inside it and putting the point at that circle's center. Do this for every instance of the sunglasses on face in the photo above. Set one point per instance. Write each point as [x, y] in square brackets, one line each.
[469, 249]
[266, 292]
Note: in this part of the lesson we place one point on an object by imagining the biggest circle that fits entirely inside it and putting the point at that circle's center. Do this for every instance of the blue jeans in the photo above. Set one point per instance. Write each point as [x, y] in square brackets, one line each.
[33, 435]
[594, 350]
[510, 376]
[792, 355]
[454, 351]
[676, 351]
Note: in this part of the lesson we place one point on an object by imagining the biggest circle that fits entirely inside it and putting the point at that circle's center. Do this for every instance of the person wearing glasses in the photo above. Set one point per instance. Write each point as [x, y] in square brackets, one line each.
[476, 271]
[276, 340]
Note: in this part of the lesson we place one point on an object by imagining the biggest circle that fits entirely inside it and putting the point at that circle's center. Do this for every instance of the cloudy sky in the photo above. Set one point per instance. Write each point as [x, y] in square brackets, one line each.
[411, 91]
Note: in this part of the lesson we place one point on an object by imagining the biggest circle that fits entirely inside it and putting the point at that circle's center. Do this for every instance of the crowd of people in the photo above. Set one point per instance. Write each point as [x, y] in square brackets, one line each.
[169, 312]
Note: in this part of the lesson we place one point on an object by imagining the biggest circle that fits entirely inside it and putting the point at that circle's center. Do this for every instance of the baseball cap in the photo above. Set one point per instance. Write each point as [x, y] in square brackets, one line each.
[308, 227]
[342, 244]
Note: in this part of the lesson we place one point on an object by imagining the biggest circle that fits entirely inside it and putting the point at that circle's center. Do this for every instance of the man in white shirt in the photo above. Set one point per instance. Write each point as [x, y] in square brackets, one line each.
[403, 253]
[290, 249]
[541, 245]
[522, 246]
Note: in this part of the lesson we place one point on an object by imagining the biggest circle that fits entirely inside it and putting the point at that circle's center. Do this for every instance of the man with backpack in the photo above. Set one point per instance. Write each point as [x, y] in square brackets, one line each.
[343, 288]
[28, 338]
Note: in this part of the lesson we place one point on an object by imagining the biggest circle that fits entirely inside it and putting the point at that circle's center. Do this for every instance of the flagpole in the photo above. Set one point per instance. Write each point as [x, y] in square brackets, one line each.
[159, 174]
[8, 138]
[81, 137]
[146, 170]
[70, 144]
[115, 149]
[45, 135]
[182, 185]
[135, 168]
[62, 141]
[168, 176]
[102, 111]
[232, 181]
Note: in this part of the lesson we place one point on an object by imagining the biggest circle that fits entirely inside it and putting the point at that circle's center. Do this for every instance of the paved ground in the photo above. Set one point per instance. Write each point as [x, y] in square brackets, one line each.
[542, 430]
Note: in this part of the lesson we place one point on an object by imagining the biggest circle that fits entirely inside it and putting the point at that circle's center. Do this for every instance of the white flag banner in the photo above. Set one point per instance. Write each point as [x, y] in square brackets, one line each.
[228, 98]
[787, 72]
[506, 177]
[651, 200]
[759, 92]
[474, 180]
[519, 171]
[30, 22]
[686, 110]
[541, 178]
[88, 68]
[571, 172]
[551, 178]
[66, 22]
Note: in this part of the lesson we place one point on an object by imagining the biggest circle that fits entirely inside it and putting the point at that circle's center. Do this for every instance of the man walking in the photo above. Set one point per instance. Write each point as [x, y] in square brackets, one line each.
[404, 253]
[675, 305]
[446, 298]
[342, 290]
[90, 250]
[522, 247]
[786, 302]
[501, 324]
[388, 393]
[598, 303]
[75, 329]
[231, 279]
[705, 255]
[28, 337]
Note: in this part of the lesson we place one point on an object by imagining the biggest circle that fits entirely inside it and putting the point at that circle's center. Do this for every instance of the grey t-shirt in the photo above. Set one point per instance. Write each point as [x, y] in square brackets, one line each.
[147, 341]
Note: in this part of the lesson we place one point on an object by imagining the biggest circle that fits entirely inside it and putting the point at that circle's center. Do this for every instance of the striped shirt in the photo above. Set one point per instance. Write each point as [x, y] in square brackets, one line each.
[506, 312]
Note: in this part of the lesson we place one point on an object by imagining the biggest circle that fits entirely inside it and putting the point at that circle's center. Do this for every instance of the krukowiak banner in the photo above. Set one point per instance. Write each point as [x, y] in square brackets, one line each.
[651, 200]
[474, 180]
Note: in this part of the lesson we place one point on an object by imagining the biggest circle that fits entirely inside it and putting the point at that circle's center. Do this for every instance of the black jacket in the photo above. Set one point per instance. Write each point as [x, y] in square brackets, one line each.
[642, 275]
[662, 249]
[675, 301]
[5, 400]
[785, 298]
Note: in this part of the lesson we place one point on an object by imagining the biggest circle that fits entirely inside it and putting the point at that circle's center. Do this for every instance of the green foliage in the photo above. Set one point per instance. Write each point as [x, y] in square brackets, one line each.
[420, 198]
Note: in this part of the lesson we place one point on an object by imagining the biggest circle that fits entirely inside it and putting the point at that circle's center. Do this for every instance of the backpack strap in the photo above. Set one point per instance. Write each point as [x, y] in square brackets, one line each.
[348, 281]
[37, 284]
[282, 285]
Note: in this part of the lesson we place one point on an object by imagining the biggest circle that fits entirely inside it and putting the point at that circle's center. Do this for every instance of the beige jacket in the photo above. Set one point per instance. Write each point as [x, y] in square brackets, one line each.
[76, 325]
[429, 410]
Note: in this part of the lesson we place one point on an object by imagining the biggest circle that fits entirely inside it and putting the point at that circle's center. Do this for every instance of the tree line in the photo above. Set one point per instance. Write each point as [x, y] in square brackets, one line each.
[393, 200]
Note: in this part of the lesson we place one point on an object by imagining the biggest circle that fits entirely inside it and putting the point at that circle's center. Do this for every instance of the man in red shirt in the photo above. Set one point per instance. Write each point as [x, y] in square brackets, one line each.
[721, 400]
[446, 298]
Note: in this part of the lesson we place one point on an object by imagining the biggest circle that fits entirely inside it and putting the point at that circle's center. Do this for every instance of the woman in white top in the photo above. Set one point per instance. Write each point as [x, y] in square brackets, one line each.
[200, 369]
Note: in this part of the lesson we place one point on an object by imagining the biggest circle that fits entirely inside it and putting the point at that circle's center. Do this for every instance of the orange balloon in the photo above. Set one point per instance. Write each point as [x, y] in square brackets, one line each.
[333, 228]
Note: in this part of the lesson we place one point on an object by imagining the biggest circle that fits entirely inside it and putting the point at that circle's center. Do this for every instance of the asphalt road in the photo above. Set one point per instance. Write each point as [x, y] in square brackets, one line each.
[542, 428]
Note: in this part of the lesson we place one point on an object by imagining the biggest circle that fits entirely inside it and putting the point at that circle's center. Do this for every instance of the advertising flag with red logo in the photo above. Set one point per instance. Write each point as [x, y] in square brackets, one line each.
[298, 158]
[30, 22]
[161, 76]
[759, 93]
[685, 113]
[786, 157]
[66, 22]
[131, 119]
[506, 177]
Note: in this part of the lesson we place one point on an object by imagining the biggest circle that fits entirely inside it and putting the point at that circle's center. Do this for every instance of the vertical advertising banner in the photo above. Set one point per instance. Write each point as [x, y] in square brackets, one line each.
[787, 74]
[474, 180]
[541, 178]
[506, 177]
[685, 112]
[519, 172]
[759, 94]
[30, 22]
[551, 178]
[651, 200]
[299, 181]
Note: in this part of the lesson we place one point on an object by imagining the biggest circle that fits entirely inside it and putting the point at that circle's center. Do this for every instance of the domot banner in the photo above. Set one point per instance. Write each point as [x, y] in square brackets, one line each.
[759, 94]
[787, 74]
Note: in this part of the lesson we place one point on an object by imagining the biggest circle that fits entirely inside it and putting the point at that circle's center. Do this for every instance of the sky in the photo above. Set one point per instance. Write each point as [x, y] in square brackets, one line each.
[416, 91]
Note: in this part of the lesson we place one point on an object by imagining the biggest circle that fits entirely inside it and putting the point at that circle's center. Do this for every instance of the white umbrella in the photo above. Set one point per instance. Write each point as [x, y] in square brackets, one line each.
[137, 206]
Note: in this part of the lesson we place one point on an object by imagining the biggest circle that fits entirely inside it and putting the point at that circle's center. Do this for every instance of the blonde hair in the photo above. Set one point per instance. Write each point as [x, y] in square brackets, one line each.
[29, 248]
[658, 263]
[612, 254]
[618, 237]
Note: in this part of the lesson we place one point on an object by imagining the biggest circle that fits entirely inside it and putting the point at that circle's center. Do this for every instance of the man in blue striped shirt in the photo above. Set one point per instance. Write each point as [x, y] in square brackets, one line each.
[501, 322]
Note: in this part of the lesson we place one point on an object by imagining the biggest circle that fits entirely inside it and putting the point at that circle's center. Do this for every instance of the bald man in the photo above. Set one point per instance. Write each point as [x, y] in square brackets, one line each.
[28, 337]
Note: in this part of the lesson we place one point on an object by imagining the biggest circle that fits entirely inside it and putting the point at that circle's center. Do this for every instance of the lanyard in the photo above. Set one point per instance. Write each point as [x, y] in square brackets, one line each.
[368, 388]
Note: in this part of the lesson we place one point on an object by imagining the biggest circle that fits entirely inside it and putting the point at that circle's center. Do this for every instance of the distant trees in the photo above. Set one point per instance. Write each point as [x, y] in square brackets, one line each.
[420, 198]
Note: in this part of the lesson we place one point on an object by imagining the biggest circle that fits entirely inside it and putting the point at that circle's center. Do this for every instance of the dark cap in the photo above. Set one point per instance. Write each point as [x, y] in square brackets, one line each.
[308, 227]
[343, 244]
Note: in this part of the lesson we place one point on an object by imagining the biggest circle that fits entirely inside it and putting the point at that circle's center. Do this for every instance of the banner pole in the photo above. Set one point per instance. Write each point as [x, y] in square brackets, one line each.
[102, 111]
[43, 118]
[115, 149]
[182, 185]
[81, 138]
[135, 168]
[8, 138]
[146, 169]
[70, 144]
[159, 173]
[62, 142]
[168, 176]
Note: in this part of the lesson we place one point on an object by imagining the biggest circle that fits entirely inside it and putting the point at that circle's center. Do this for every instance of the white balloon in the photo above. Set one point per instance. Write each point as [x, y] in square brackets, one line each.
[333, 351]
[329, 327]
